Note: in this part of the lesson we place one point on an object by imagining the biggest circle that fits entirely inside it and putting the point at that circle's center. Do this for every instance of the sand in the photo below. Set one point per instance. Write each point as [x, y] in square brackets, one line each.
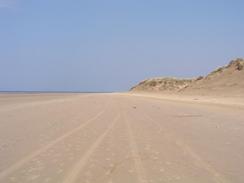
[119, 138]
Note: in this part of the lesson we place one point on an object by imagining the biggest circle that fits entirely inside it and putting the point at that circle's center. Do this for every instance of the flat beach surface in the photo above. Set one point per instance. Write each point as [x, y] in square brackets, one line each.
[119, 138]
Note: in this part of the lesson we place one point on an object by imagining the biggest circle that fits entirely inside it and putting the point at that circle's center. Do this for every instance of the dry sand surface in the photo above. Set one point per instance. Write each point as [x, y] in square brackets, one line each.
[118, 138]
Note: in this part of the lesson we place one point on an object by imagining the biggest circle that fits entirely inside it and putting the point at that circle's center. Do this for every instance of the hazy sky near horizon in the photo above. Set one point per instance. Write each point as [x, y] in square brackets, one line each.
[110, 45]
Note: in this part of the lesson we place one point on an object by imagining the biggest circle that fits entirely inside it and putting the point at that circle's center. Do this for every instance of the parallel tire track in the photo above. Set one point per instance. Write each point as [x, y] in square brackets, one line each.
[29, 157]
[77, 168]
[218, 178]
[141, 174]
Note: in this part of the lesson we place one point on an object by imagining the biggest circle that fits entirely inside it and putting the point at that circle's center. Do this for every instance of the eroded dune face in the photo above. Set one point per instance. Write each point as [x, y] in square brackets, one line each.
[225, 81]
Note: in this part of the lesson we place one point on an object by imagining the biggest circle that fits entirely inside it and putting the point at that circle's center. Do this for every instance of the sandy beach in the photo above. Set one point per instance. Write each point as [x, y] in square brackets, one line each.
[122, 138]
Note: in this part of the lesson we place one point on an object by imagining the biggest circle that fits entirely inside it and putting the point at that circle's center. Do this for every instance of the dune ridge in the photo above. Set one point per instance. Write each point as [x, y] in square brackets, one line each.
[224, 81]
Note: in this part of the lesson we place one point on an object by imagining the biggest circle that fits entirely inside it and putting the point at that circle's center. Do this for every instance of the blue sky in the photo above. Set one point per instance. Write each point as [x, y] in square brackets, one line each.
[110, 45]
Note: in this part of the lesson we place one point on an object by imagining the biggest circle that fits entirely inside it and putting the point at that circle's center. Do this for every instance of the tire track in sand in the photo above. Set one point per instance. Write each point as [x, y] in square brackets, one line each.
[217, 177]
[141, 173]
[77, 168]
[29, 157]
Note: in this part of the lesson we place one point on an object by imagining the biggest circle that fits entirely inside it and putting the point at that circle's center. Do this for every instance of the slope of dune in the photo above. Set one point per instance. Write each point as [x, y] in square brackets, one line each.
[224, 81]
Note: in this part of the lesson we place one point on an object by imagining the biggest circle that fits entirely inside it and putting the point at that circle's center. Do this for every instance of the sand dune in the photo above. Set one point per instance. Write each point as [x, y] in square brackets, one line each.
[162, 84]
[227, 81]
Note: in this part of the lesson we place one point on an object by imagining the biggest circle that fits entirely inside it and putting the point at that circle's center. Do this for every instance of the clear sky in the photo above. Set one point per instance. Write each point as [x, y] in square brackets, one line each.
[109, 45]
